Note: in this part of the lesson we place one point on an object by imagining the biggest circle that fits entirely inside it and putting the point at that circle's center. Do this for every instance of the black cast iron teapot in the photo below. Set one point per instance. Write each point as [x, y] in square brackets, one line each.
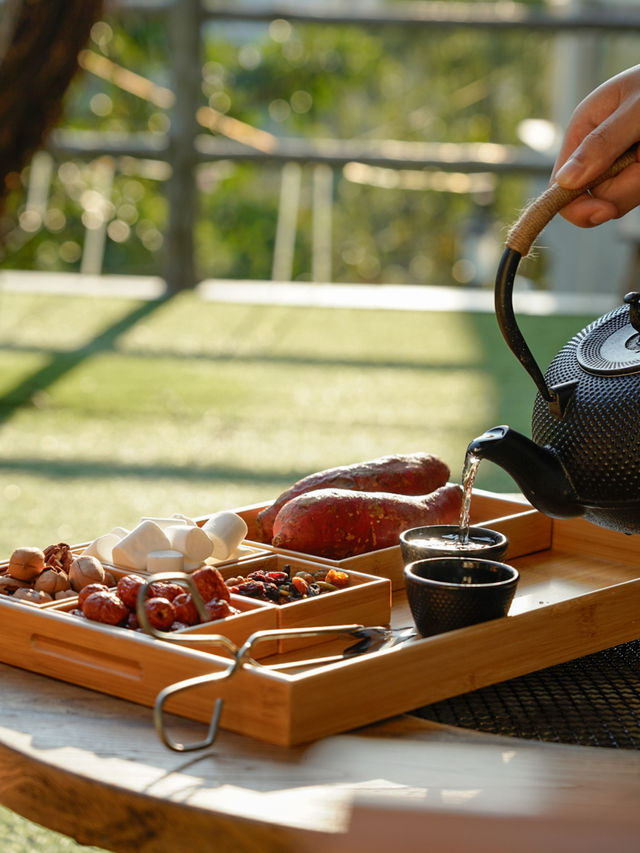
[584, 459]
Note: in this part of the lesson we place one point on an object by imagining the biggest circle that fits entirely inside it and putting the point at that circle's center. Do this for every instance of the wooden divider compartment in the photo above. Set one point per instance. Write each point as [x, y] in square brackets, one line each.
[253, 616]
[366, 600]
[579, 592]
[246, 551]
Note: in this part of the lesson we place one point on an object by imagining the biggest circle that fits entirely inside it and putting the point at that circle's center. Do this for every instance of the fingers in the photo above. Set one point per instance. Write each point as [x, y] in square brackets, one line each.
[603, 127]
[609, 200]
[587, 212]
[598, 151]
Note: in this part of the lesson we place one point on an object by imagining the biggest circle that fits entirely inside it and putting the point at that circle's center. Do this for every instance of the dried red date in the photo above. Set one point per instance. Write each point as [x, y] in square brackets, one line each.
[185, 608]
[105, 606]
[210, 584]
[160, 612]
[219, 608]
[127, 589]
[165, 589]
[86, 591]
[168, 606]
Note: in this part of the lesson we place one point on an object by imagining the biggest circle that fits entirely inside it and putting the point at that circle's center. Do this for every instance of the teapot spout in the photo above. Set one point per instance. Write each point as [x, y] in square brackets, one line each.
[536, 470]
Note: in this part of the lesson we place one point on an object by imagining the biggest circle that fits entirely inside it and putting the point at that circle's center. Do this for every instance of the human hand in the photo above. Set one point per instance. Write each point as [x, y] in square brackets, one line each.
[603, 126]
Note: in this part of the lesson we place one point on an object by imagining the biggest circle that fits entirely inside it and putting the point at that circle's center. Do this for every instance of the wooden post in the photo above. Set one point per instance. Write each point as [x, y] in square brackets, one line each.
[283, 252]
[184, 22]
[322, 216]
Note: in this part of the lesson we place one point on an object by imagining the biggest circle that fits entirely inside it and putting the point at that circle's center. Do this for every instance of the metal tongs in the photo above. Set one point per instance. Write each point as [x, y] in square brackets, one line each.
[368, 639]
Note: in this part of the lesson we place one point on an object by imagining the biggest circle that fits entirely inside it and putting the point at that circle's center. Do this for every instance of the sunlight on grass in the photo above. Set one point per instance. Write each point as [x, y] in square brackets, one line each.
[163, 423]
[185, 406]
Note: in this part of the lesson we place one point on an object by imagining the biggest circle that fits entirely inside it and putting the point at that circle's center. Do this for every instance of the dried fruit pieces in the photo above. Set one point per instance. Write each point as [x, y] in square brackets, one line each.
[281, 588]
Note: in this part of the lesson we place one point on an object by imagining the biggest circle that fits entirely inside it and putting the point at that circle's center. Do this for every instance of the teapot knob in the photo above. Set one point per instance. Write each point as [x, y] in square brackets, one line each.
[633, 301]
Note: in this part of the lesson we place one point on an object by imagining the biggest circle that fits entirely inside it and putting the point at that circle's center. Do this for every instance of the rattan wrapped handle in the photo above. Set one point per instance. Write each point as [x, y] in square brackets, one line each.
[542, 210]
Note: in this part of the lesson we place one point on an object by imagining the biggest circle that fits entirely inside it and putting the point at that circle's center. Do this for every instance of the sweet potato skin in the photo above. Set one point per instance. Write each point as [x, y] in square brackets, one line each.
[405, 474]
[339, 523]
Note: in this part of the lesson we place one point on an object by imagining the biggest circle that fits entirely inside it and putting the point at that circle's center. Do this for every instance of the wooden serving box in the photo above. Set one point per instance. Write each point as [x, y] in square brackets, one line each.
[367, 599]
[253, 616]
[487, 509]
[246, 551]
[579, 592]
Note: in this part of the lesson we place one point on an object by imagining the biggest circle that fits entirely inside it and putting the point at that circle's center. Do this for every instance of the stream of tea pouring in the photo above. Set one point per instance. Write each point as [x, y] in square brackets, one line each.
[469, 471]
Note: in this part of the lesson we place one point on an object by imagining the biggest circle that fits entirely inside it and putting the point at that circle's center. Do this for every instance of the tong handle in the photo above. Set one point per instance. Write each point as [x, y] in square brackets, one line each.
[241, 657]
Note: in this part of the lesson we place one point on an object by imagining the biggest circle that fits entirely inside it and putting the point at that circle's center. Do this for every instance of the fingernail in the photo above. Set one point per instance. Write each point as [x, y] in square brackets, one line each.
[599, 217]
[569, 172]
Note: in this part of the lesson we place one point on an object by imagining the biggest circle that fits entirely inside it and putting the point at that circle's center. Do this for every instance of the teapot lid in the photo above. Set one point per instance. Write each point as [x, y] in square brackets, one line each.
[611, 345]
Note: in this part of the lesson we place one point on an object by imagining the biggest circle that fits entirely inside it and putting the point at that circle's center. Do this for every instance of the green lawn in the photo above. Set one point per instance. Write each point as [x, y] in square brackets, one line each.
[111, 409]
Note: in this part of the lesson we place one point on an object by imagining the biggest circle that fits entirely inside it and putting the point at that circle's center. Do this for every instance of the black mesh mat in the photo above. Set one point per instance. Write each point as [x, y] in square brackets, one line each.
[591, 701]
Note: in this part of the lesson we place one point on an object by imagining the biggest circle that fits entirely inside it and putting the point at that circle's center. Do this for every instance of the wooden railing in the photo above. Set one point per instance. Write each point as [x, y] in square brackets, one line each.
[185, 146]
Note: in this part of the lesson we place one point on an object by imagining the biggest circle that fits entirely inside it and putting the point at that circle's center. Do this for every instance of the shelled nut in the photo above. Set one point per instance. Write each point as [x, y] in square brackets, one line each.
[26, 563]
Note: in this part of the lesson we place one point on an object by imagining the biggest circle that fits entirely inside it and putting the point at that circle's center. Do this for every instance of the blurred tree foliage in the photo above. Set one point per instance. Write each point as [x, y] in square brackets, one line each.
[396, 83]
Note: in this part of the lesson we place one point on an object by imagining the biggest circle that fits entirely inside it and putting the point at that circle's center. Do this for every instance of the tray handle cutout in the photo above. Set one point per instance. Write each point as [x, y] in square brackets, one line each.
[87, 657]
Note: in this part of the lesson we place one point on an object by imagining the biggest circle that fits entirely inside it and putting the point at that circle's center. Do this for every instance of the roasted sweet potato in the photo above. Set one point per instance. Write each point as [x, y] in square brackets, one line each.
[405, 474]
[338, 523]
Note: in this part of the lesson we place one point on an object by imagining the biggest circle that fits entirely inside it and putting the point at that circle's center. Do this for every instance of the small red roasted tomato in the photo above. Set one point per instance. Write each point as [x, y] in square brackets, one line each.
[105, 606]
[160, 612]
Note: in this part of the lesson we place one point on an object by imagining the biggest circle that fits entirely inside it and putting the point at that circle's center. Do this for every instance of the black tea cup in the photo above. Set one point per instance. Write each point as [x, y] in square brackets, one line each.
[446, 593]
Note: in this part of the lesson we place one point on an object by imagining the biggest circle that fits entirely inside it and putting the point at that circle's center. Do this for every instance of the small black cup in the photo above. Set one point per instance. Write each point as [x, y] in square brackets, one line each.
[441, 540]
[453, 592]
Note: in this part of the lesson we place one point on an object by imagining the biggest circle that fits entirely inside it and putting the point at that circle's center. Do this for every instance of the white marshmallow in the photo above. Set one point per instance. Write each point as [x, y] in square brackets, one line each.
[120, 532]
[165, 561]
[131, 551]
[226, 530]
[176, 519]
[193, 542]
[191, 566]
[102, 547]
[183, 519]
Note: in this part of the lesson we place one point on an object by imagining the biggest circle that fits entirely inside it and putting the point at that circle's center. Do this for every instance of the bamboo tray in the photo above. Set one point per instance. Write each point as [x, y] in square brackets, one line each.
[579, 593]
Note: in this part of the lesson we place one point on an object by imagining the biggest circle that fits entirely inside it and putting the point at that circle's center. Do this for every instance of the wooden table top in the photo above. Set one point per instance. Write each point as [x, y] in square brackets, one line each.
[91, 766]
